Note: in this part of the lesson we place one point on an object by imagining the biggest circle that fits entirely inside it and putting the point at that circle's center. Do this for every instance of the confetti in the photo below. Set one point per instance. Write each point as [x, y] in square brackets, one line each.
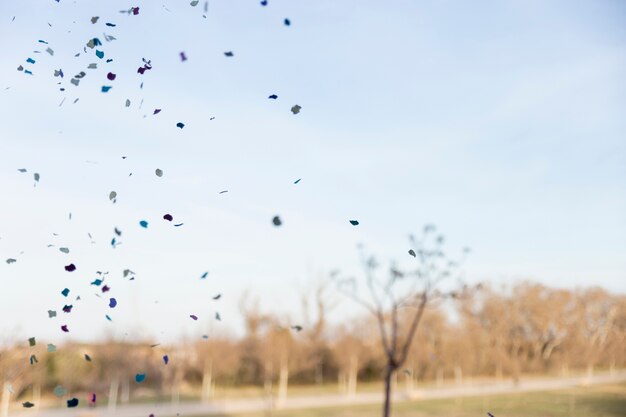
[297, 181]
[296, 109]
[33, 359]
[94, 19]
[72, 403]
[354, 222]
[263, 2]
[64, 250]
[65, 329]
[156, 111]
[166, 359]
[51, 347]
[287, 22]
[489, 414]
[30, 61]
[59, 391]
[32, 341]
[108, 318]
[135, 10]
[194, 3]
[106, 88]
[158, 172]
[67, 308]
[276, 221]
[28, 404]
[217, 317]
[105, 288]
[297, 328]
[112, 195]
[229, 54]
[127, 103]
[22, 170]
[204, 275]
[183, 57]
[178, 225]
[111, 76]
[70, 268]
[65, 292]
[193, 316]
[99, 54]
[51, 313]
[412, 252]
[11, 261]
[168, 217]
[87, 358]
[139, 378]
[180, 125]
[112, 302]
[217, 297]
[223, 192]
[143, 224]
[273, 97]
[36, 177]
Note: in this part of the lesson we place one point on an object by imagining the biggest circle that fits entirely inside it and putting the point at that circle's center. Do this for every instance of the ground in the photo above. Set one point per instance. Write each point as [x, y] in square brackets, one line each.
[596, 401]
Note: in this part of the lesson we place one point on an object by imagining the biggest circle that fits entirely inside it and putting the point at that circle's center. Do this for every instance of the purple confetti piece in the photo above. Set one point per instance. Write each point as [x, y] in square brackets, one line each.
[70, 268]
[193, 316]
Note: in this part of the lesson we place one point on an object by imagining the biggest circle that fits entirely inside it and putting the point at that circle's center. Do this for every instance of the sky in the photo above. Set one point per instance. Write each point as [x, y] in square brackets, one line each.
[500, 122]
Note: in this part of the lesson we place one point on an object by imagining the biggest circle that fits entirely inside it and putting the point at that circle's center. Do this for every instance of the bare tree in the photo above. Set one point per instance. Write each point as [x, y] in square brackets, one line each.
[389, 299]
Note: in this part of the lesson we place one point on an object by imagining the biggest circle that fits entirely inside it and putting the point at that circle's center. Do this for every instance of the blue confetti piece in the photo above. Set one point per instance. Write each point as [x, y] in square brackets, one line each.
[108, 318]
[30, 61]
[65, 292]
[106, 88]
[354, 222]
[180, 125]
[297, 181]
[41, 41]
[99, 54]
[112, 302]
[143, 224]
[96, 42]
[166, 359]
[204, 275]
[139, 378]
[28, 72]
[72, 403]
[97, 282]
[111, 24]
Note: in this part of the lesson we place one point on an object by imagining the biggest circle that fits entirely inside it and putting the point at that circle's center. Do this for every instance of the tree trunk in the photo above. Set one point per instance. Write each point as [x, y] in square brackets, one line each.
[352, 378]
[389, 371]
[439, 377]
[125, 391]
[589, 373]
[36, 394]
[207, 376]
[458, 375]
[4, 404]
[176, 383]
[409, 383]
[283, 379]
[113, 388]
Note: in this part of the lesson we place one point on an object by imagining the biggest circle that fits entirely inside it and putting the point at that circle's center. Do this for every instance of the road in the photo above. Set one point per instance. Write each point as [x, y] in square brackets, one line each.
[223, 407]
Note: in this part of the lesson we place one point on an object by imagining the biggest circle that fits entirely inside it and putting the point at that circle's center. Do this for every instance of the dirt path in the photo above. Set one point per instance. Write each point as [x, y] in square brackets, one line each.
[222, 407]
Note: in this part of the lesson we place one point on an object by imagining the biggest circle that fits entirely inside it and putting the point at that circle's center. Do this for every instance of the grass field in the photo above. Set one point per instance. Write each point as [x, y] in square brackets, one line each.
[595, 401]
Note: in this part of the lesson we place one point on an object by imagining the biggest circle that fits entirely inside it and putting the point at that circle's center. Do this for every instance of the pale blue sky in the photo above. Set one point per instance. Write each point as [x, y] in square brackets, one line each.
[501, 122]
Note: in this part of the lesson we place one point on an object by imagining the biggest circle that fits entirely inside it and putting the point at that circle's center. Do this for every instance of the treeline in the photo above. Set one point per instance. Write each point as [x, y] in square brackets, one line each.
[494, 332]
